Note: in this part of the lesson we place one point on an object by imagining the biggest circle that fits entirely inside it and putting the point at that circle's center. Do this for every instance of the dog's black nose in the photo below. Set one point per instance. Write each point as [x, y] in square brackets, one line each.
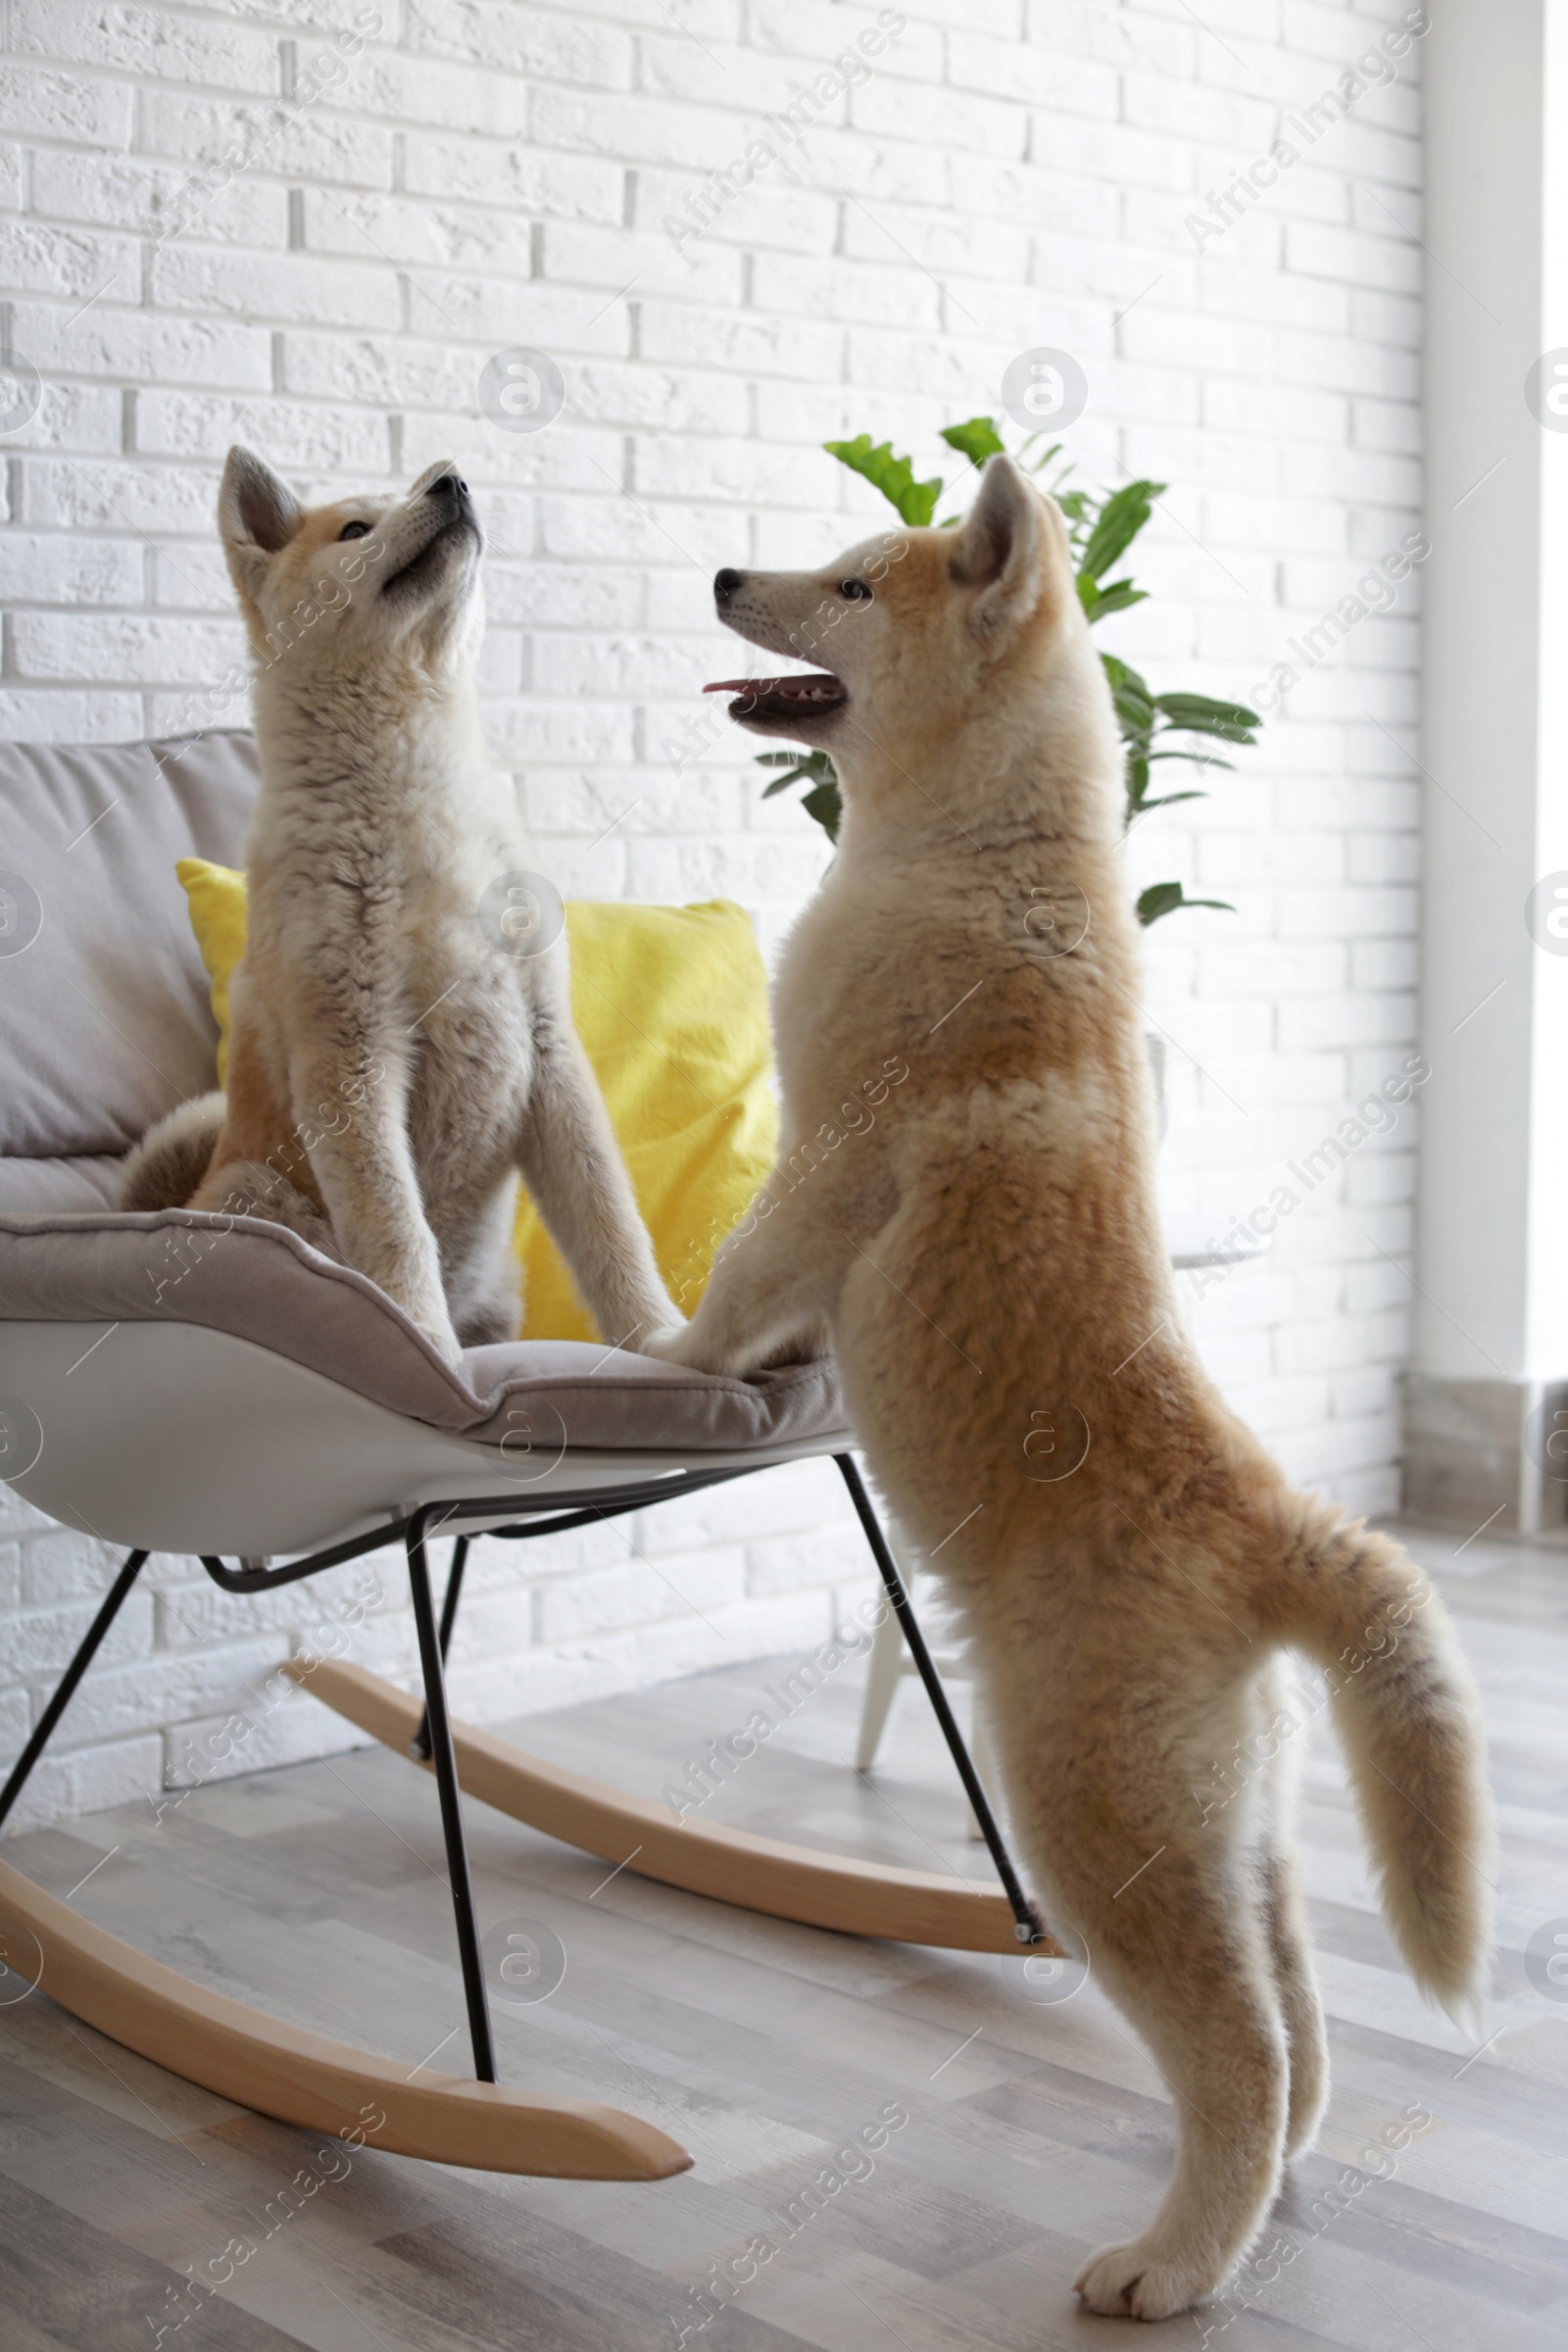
[451, 486]
[726, 583]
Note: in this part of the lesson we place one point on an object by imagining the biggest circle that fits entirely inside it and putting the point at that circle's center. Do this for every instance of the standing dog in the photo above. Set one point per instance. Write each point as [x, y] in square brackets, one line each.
[985, 1254]
[404, 975]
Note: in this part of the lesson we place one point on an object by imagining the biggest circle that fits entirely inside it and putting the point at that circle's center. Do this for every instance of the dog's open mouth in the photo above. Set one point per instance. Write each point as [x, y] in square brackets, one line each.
[783, 702]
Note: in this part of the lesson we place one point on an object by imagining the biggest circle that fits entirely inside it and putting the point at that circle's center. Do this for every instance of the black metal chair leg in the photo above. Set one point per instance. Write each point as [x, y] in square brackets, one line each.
[419, 1744]
[1029, 1928]
[135, 1563]
[446, 1774]
[449, 1604]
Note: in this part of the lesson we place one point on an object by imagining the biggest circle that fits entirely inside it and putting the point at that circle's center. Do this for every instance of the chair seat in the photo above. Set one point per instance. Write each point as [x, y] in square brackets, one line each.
[202, 1332]
[34, 1188]
[256, 1280]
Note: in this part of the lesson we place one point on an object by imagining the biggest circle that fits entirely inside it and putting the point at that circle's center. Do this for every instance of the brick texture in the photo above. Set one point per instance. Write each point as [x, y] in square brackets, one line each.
[312, 228]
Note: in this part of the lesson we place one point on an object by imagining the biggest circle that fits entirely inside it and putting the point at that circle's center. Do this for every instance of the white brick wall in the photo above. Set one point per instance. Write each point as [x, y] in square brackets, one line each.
[482, 173]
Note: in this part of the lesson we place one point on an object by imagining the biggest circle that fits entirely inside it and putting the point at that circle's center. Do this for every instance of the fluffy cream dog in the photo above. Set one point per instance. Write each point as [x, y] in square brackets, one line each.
[981, 1245]
[402, 1042]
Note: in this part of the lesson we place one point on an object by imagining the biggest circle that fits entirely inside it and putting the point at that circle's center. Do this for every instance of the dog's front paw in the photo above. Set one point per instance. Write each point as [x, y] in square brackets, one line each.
[670, 1343]
[1141, 2280]
[689, 1346]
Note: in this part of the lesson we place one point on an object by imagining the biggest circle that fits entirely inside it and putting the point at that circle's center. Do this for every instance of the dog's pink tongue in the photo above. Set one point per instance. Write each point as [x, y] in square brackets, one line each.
[740, 685]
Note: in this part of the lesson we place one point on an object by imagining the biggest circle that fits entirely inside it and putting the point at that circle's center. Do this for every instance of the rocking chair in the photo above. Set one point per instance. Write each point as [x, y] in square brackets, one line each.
[158, 1372]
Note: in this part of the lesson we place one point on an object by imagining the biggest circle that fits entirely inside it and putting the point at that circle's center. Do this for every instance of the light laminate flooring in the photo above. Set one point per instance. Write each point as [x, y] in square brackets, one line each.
[1036, 2128]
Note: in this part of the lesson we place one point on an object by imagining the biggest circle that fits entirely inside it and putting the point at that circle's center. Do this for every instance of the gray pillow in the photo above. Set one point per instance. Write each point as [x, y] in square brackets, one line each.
[105, 1021]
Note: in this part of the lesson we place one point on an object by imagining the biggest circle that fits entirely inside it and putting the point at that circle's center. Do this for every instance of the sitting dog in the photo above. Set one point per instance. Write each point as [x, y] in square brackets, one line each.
[401, 1040]
[984, 1252]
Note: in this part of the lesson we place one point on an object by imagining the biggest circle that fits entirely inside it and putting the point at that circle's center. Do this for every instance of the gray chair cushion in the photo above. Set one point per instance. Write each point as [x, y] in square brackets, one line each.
[105, 1021]
[31, 1185]
[246, 1276]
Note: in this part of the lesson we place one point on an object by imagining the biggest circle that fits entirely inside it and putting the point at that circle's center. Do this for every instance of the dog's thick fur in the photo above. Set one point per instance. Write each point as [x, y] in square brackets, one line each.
[398, 1054]
[984, 1252]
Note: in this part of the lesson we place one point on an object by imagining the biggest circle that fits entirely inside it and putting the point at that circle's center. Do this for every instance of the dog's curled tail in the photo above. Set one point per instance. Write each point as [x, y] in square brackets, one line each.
[1408, 1716]
[165, 1169]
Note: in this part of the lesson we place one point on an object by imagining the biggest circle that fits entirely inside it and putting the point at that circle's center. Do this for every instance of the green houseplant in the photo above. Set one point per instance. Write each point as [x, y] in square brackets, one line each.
[1102, 525]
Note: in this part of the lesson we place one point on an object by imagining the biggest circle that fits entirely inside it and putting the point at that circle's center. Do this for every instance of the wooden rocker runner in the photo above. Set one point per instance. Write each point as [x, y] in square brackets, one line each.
[210, 1386]
[757, 1874]
[302, 2077]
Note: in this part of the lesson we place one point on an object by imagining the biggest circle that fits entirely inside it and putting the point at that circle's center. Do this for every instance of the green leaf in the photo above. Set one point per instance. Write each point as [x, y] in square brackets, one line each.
[1168, 800]
[1203, 706]
[1135, 704]
[822, 800]
[1164, 898]
[1121, 518]
[1122, 673]
[977, 440]
[1098, 602]
[825, 803]
[915, 502]
[1201, 714]
[816, 766]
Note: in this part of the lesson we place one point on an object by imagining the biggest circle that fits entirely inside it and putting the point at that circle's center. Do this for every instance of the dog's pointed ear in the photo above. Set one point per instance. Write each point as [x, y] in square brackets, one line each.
[1001, 551]
[257, 514]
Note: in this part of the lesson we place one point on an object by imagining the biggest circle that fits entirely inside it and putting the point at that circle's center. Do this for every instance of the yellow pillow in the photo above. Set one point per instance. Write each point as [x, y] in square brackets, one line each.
[671, 1006]
[215, 896]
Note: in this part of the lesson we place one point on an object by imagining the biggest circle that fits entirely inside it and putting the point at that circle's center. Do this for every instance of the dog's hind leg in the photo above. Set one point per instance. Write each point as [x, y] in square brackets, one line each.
[484, 1286]
[1296, 1982]
[1184, 1951]
[249, 1187]
[488, 1321]
[1280, 1743]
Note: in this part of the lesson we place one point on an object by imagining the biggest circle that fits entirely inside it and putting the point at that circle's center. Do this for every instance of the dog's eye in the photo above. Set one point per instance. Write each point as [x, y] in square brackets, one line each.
[855, 589]
[354, 531]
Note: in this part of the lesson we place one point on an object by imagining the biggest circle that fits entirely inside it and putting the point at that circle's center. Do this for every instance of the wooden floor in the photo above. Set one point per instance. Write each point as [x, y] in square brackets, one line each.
[1035, 2129]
